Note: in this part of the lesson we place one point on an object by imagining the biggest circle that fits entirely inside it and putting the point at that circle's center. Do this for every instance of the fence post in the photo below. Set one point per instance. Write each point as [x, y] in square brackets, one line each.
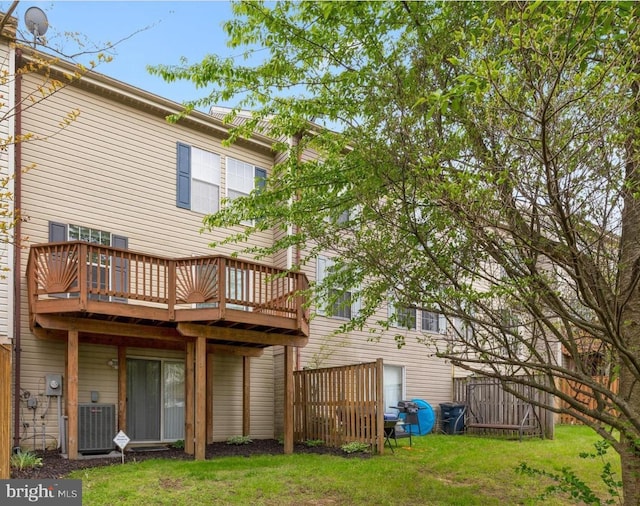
[5, 411]
[379, 396]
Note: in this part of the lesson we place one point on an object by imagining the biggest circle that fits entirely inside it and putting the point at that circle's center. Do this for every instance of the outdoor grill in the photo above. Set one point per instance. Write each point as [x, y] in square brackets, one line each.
[409, 407]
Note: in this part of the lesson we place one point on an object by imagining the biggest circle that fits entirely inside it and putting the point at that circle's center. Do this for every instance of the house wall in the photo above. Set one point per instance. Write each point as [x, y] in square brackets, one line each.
[6, 171]
[114, 169]
[426, 377]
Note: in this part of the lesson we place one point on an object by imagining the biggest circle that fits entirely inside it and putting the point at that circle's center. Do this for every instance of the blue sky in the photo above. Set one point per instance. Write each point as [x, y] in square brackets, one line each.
[167, 31]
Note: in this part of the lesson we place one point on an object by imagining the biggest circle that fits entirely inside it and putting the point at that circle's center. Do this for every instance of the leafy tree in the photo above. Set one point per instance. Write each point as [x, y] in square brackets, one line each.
[487, 155]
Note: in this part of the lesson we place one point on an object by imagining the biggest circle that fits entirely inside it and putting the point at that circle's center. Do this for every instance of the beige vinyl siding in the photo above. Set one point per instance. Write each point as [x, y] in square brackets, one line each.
[120, 175]
[227, 399]
[278, 390]
[426, 377]
[6, 169]
[114, 169]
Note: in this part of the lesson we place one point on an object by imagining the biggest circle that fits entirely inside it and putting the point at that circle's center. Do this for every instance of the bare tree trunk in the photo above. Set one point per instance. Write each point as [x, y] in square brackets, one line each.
[630, 462]
[628, 349]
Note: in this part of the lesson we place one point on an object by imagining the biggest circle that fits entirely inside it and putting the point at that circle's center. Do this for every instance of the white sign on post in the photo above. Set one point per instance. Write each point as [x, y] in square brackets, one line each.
[122, 440]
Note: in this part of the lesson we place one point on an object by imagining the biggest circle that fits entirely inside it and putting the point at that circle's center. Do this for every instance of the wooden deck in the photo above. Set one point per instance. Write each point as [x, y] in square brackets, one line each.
[89, 293]
[137, 295]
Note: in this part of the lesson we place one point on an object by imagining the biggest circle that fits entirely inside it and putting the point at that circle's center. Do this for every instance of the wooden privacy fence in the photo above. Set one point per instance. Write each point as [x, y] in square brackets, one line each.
[340, 405]
[583, 394]
[5, 411]
[492, 409]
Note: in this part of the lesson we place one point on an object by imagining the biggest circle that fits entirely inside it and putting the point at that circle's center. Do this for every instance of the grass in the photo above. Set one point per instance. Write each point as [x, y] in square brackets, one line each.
[436, 470]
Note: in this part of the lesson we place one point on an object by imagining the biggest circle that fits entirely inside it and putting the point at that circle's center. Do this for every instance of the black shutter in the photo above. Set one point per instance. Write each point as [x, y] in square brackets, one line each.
[261, 178]
[57, 232]
[183, 182]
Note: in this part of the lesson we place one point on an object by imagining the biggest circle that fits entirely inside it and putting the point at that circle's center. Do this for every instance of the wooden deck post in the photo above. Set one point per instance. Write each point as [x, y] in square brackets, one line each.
[246, 396]
[222, 286]
[379, 397]
[82, 275]
[171, 290]
[122, 388]
[5, 411]
[188, 400]
[72, 394]
[200, 397]
[288, 400]
[210, 357]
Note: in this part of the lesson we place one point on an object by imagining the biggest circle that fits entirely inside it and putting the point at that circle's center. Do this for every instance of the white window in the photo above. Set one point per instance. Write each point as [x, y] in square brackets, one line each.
[240, 178]
[408, 318]
[104, 271]
[80, 233]
[401, 316]
[205, 181]
[199, 176]
[432, 321]
[344, 304]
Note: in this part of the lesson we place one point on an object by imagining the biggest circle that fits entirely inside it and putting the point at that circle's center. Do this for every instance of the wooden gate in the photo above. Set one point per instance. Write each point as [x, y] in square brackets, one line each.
[339, 405]
[5, 410]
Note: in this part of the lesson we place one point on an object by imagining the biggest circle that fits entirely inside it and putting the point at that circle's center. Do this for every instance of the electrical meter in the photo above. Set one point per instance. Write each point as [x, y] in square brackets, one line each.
[53, 384]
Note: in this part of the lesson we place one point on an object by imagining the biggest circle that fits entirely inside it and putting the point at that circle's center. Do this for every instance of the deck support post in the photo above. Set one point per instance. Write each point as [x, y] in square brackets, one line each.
[200, 397]
[288, 400]
[210, 357]
[188, 399]
[246, 396]
[72, 393]
[122, 388]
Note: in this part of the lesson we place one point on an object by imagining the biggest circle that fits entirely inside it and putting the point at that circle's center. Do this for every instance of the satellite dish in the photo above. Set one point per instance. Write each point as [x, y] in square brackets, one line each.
[36, 21]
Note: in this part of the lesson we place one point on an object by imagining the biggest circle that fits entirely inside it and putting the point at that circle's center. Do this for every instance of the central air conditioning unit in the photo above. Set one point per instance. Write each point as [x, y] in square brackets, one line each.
[96, 428]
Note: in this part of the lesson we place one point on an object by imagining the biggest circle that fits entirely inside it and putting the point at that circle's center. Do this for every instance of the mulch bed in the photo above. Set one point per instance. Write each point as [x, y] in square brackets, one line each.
[54, 466]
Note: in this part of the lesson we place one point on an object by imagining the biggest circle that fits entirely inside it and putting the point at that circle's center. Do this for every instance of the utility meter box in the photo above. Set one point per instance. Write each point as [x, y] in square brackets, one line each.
[53, 385]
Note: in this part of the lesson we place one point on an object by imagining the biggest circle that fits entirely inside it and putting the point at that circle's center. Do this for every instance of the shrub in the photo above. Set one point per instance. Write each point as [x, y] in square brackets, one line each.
[239, 440]
[312, 443]
[25, 460]
[355, 447]
[179, 444]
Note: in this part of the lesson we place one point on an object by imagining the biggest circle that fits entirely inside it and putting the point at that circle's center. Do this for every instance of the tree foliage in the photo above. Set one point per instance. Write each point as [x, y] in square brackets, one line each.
[487, 157]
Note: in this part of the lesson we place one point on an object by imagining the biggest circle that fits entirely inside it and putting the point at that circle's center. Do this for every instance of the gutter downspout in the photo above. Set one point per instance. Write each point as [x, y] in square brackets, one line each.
[17, 237]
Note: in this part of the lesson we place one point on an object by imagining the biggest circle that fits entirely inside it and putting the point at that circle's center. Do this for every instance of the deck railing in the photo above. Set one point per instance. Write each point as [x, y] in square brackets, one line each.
[90, 273]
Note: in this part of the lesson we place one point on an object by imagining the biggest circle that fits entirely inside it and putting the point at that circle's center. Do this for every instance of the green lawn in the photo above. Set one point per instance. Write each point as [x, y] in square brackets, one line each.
[436, 470]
